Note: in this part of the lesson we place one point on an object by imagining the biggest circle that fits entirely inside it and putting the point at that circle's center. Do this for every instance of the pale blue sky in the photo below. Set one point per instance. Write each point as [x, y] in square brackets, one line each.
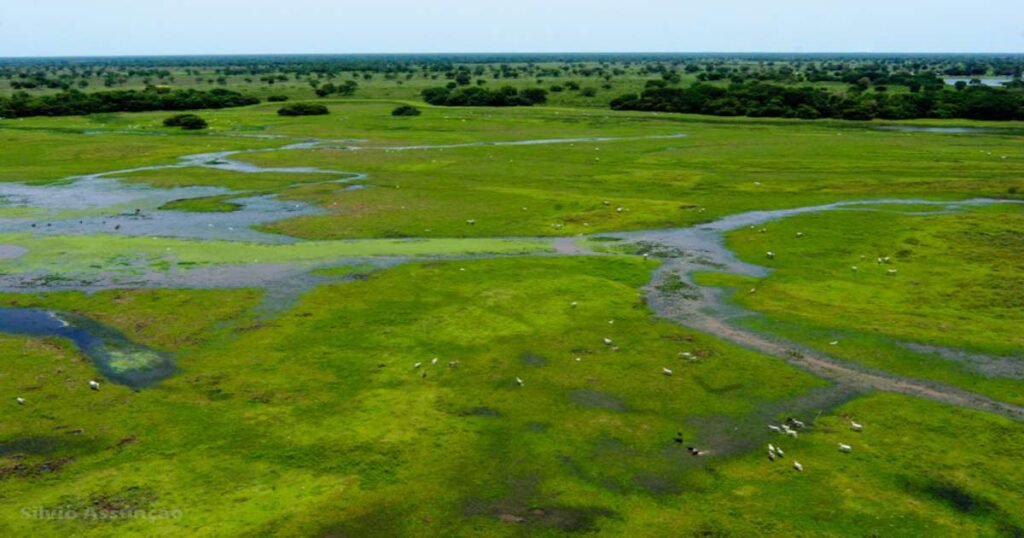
[118, 27]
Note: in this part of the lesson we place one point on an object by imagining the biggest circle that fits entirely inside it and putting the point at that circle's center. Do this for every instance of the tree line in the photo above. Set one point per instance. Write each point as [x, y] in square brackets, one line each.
[477, 96]
[757, 99]
[74, 103]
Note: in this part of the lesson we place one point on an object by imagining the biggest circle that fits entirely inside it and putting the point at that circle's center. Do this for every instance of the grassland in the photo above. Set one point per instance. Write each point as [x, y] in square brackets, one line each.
[957, 286]
[316, 421]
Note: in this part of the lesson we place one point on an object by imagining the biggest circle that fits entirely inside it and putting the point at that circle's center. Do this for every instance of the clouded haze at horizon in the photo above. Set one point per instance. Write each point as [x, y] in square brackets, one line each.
[132, 27]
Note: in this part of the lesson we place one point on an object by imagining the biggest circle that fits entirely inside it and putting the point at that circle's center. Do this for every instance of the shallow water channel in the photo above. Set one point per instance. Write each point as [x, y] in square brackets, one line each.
[116, 357]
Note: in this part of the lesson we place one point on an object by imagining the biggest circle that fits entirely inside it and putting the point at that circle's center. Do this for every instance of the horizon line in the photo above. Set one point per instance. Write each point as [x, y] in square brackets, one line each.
[509, 53]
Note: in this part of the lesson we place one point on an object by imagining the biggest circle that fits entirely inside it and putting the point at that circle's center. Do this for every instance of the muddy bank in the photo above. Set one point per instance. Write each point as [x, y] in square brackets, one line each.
[685, 251]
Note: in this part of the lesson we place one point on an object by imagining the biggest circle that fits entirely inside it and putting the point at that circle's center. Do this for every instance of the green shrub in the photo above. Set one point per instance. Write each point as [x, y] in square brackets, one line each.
[303, 109]
[189, 122]
[406, 110]
[277, 98]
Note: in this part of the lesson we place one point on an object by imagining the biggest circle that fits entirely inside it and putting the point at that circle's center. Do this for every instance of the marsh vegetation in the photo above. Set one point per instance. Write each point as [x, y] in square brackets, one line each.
[547, 320]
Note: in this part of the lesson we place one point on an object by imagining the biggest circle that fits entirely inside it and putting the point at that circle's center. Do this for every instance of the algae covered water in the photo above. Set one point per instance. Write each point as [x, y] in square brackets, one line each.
[115, 356]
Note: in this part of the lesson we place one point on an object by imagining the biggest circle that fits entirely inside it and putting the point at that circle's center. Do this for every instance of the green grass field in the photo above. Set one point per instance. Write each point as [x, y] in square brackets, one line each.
[330, 417]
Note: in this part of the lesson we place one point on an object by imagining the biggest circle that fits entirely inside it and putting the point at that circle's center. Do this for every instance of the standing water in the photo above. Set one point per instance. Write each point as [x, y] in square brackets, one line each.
[117, 358]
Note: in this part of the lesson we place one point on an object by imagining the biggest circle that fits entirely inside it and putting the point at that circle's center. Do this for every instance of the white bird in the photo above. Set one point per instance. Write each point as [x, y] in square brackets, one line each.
[891, 272]
[770, 254]
[857, 427]
[608, 341]
[771, 456]
[752, 290]
[771, 448]
[417, 365]
[470, 222]
[779, 452]
[774, 428]
[433, 361]
[94, 385]
[519, 381]
[573, 304]
[579, 359]
[797, 466]
[666, 371]
[854, 268]
[799, 234]
[792, 433]
[20, 400]
[834, 343]
[797, 423]
[845, 448]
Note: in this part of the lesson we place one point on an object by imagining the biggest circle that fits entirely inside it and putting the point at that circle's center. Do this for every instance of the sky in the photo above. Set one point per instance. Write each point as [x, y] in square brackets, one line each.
[145, 27]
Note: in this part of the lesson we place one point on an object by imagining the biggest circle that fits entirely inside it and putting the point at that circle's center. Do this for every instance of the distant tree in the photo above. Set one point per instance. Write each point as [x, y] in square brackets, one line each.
[277, 98]
[534, 96]
[326, 90]
[588, 92]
